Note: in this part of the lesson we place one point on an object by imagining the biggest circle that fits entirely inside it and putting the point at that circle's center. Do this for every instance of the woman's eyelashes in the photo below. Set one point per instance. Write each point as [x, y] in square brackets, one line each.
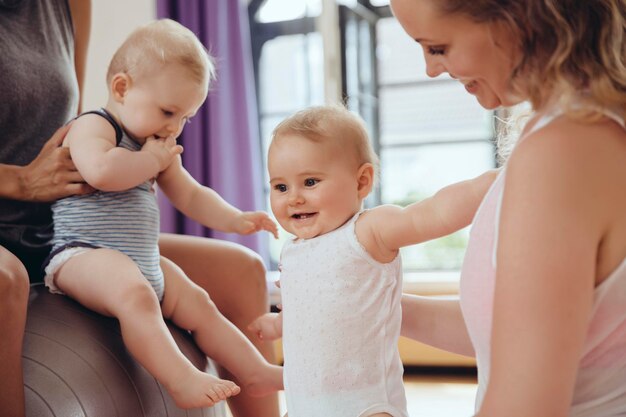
[435, 50]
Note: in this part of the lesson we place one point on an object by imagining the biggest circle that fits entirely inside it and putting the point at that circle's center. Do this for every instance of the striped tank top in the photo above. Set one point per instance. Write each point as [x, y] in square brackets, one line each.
[127, 221]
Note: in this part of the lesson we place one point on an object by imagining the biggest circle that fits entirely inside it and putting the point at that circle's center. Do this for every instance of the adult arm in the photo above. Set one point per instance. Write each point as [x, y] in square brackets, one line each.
[436, 322]
[552, 219]
[81, 18]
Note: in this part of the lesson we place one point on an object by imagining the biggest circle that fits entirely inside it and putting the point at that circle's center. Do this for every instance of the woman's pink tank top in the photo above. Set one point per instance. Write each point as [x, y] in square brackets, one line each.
[601, 382]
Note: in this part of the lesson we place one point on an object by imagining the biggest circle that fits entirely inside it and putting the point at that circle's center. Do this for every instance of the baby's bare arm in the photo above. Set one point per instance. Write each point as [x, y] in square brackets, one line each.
[449, 210]
[108, 167]
[207, 207]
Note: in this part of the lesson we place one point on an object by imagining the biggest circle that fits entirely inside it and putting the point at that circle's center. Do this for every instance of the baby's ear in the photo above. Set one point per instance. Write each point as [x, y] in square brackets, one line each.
[120, 83]
[365, 179]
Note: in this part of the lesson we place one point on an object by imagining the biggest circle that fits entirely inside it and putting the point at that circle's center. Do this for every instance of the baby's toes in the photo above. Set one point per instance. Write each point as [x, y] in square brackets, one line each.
[214, 394]
[222, 391]
[234, 388]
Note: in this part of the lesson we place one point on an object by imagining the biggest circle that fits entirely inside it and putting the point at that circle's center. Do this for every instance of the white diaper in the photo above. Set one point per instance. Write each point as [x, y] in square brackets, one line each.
[56, 263]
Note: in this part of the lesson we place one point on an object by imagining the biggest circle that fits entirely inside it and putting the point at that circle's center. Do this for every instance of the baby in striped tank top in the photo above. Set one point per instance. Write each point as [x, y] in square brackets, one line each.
[105, 250]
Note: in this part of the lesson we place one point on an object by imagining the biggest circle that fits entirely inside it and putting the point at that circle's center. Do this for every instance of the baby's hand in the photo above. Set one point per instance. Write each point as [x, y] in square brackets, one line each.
[267, 327]
[164, 149]
[253, 221]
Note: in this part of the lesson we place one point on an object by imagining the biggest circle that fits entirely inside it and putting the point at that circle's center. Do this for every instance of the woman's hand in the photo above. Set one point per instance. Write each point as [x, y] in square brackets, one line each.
[52, 174]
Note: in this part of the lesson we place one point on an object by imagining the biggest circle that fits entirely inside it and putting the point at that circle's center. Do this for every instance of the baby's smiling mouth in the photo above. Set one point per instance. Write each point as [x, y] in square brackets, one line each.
[301, 216]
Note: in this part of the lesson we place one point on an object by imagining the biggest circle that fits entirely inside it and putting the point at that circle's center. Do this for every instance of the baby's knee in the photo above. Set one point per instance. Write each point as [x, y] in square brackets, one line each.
[201, 300]
[140, 297]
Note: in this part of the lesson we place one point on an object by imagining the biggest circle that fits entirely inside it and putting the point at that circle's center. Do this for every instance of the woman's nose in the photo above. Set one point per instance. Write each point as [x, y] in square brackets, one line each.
[434, 67]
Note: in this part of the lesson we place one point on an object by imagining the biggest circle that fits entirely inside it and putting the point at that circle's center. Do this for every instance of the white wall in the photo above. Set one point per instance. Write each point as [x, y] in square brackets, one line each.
[112, 21]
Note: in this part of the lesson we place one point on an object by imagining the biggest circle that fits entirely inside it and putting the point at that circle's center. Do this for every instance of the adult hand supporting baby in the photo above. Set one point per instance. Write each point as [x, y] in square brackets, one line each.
[51, 175]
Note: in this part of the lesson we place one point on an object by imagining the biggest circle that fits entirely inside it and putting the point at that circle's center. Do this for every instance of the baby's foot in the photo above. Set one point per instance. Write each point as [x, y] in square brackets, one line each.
[199, 389]
[267, 380]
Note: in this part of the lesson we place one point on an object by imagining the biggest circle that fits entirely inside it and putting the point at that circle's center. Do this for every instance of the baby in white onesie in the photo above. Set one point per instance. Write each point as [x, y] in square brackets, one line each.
[341, 276]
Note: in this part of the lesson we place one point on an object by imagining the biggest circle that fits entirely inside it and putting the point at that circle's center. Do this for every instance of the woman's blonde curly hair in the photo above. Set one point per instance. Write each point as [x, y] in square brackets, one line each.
[567, 46]
[574, 50]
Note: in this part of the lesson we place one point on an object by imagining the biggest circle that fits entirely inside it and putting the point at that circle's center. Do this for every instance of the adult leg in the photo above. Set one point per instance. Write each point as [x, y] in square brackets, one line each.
[110, 283]
[14, 286]
[234, 277]
[190, 307]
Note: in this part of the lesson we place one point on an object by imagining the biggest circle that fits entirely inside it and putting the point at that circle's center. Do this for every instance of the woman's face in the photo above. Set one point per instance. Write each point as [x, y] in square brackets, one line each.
[480, 56]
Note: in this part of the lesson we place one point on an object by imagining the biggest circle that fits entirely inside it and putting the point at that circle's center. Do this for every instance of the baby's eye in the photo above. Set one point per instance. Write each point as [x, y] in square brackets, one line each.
[435, 50]
[280, 188]
[167, 113]
[310, 182]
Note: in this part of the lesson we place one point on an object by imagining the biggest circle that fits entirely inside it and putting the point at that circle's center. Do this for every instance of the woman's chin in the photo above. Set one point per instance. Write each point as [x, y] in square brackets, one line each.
[489, 103]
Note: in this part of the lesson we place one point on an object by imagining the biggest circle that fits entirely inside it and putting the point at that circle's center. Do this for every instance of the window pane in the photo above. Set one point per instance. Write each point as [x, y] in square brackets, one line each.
[412, 174]
[432, 112]
[291, 73]
[280, 10]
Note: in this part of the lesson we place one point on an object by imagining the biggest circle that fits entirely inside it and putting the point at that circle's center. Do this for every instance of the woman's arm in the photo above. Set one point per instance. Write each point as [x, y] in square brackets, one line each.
[436, 322]
[552, 218]
[81, 17]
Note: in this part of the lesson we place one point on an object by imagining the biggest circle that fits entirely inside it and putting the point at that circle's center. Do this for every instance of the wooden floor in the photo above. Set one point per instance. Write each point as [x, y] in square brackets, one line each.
[444, 395]
[434, 394]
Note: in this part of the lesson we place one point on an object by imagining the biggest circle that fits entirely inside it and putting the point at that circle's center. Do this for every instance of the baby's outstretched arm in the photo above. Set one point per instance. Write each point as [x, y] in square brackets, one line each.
[386, 229]
[254, 221]
[207, 207]
[268, 327]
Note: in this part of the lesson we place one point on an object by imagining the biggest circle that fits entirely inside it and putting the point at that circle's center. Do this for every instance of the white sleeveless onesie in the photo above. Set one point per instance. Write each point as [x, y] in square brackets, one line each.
[341, 323]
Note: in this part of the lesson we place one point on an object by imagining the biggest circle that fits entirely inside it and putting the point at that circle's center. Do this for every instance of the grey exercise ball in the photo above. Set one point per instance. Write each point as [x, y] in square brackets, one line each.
[75, 364]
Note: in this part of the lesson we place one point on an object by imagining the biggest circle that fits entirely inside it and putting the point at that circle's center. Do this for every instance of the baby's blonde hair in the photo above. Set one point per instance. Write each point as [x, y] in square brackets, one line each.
[335, 123]
[159, 43]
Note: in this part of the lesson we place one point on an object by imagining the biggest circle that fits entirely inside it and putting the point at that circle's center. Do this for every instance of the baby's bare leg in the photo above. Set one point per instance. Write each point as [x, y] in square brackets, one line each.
[110, 283]
[190, 307]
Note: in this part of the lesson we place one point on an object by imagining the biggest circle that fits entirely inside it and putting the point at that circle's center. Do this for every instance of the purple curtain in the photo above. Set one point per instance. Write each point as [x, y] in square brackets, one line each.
[222, 147]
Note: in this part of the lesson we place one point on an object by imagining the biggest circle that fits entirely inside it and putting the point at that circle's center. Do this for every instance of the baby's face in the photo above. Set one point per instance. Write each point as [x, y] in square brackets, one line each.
[314, 186]
[159, 104]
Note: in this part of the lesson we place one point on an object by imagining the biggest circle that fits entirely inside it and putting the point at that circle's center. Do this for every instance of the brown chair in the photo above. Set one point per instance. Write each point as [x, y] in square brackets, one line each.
[75, 364]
